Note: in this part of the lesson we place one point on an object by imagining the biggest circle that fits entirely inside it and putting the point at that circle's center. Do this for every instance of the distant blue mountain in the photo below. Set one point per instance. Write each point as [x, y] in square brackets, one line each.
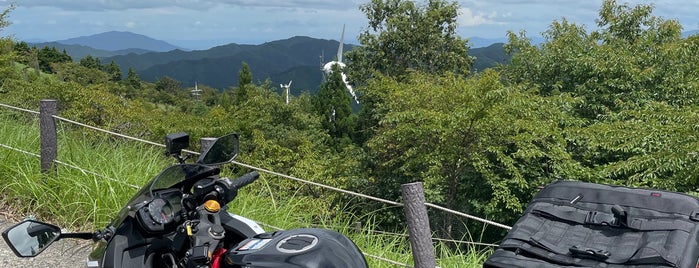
[688, 33]
[476, 41]
[116, 41]
[78, 52]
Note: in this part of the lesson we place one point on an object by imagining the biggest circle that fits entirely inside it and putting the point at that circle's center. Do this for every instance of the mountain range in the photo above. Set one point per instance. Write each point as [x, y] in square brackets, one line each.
[116, 41]
[297, 58]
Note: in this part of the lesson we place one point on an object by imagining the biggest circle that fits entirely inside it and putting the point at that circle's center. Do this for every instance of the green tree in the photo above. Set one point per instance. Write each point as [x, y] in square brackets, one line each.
[132, 79]
[244, 83]
[333, 103]
[637, 82]
[91, 62]
[7, 53]
[244, 76]
[114, 71]
[74, 72]
[23, 51]
[48, 56]
[7, 58]
[478, 145]
[4, 15]
[167, 84]
[403, 35]
[629, 60]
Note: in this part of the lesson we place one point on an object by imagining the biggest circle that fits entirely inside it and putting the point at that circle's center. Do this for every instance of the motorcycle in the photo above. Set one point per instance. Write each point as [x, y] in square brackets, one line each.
[178, 220]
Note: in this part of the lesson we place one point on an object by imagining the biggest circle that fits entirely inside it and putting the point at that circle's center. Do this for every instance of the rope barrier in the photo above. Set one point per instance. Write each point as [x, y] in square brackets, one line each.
[371, 197]
[270, 226]
[319, 185]
[439, 239]
[468, 216]
[19, 109]
[406, 235]
[19, 150]
[387, 260]
[108, 132]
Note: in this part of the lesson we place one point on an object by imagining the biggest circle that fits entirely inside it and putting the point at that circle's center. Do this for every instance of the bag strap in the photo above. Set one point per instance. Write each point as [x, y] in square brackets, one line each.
[584, 217]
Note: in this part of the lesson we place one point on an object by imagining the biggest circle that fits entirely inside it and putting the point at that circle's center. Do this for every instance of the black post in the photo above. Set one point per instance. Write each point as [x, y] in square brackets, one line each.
[418, 225]
[49, 143]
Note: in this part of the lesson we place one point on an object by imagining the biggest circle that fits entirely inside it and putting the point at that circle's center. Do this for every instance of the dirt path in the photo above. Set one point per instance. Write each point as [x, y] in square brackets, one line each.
[62, 253]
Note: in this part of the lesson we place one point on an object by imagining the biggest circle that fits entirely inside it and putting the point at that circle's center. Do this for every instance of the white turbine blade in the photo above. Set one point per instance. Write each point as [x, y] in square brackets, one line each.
[342, 41]
[290, 82]
[349, 87]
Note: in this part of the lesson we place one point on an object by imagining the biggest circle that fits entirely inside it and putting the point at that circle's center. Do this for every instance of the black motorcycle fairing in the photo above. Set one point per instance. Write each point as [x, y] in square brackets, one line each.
[236, 229]
[181, 176]
[123, 245]
[128, 247]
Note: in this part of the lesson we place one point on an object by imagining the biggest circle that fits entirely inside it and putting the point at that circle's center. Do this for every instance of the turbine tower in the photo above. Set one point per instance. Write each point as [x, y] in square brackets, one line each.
[286, 88]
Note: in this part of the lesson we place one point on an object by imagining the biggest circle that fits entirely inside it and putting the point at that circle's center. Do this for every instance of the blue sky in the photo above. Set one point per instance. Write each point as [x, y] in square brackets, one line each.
[200, 24]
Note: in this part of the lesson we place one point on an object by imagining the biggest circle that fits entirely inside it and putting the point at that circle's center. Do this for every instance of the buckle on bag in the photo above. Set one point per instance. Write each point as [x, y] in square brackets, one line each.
[599, 218]
[590, 253]
[694, 216]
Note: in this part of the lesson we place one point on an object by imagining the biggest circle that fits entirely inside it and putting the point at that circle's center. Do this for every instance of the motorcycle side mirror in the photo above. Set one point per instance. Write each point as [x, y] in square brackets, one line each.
[29, 238]
[222, 151]
[176, 142]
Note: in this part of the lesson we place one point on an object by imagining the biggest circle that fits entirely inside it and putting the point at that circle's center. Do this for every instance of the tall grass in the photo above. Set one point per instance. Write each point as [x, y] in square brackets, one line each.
[84, 201]
[72, 197]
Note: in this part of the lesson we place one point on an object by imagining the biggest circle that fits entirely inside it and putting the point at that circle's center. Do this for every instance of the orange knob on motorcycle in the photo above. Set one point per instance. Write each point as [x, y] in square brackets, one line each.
[212, 206]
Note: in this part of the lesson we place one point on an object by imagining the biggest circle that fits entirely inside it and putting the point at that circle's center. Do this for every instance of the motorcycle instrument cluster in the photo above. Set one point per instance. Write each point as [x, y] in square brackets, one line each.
[160, 212]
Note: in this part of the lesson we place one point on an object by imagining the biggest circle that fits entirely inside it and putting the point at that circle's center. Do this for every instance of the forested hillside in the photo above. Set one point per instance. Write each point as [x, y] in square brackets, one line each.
[491, 56]
[618, 104]
[295, 59]
[216, 67]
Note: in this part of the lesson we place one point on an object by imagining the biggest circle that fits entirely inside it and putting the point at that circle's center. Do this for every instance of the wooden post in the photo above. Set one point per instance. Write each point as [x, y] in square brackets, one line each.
[49, 143]
[418, 225]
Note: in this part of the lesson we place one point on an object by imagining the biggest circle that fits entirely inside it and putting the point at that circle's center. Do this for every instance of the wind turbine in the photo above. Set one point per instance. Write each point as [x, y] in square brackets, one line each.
[196, 92]
[286, 88]
[328, 67]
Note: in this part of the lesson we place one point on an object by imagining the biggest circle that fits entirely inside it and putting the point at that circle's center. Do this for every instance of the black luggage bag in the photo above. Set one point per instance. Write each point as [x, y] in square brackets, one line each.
[576, 224]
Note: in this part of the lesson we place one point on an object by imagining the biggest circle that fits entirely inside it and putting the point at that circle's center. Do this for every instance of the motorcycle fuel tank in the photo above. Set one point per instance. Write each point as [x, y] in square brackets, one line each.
[299, 248]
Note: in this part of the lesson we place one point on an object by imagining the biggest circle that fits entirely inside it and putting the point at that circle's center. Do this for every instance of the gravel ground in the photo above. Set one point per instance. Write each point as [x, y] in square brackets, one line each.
[62, 253]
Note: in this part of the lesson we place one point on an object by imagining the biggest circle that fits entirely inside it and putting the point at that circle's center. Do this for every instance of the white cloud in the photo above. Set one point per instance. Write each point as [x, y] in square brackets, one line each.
[104, 5]
[469, 18]
[256, 21]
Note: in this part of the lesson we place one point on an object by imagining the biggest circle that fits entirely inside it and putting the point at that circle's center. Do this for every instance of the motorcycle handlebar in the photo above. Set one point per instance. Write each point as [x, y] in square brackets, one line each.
[245, 180]
[232, 186]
